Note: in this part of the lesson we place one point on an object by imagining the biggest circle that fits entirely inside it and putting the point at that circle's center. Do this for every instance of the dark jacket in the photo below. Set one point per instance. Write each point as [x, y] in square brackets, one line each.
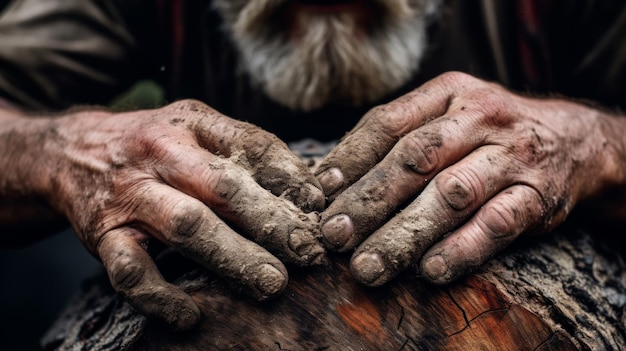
[55, 54]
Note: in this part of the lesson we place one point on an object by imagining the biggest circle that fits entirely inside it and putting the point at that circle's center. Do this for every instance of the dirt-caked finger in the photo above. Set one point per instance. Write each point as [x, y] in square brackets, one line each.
[381, 128]
[399, 177]
[192, 229]
[514, 211]
[273, 222]
[449, 200]
[266, 157]
[134, 275]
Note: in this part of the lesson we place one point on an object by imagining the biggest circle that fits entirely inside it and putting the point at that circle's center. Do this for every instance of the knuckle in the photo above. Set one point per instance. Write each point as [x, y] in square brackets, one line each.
[393, 119]
[151, 142]
[455, 78]
[188, 105]
[492, 107]
[492, 103]
[185, 219]
[418, 152]
[458, 188]
[125, 273]
[225, 183]
[258, 144]
[500, 221]
[194, 112]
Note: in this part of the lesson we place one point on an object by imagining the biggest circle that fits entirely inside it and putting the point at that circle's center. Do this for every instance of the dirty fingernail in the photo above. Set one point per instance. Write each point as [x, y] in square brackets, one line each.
[337, 231]
[269, 281]
[332, 180]
[367, 268]
[435, 267]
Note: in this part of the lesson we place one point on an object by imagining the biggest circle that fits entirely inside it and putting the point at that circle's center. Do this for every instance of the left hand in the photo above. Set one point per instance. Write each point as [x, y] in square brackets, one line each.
[471, 165]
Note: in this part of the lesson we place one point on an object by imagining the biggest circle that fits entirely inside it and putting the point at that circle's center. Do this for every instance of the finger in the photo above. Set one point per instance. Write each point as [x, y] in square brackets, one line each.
[195, 231]
[447, 201]
[134, 275]
[500, 221]
[268, 159]
[381, 128]
[274, 223]
[402, 174]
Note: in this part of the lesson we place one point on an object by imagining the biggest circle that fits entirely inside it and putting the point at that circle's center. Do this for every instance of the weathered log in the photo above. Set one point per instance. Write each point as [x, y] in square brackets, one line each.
[564, 292]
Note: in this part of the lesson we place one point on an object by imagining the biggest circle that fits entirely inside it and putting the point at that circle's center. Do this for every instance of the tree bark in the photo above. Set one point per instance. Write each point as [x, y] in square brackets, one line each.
[566, 292]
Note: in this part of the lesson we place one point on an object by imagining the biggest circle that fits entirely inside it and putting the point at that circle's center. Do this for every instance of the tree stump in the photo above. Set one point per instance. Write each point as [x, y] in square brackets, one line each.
[566, 292]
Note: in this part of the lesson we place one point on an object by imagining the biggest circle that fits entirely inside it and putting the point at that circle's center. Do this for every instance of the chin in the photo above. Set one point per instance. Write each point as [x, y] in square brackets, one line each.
[306, 54]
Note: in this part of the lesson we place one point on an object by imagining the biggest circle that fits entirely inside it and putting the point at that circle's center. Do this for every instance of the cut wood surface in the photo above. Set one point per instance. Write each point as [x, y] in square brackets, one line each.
[565, 292]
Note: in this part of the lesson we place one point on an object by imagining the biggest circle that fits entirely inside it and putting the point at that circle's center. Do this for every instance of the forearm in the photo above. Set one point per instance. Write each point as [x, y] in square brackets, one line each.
[25, 215]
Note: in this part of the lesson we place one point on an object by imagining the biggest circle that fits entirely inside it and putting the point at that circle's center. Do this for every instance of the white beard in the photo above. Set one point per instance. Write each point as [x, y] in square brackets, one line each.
[334, 59]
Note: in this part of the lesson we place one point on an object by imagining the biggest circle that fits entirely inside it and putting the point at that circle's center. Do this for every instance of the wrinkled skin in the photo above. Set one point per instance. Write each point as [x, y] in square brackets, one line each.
[185, 175]
[472, 166]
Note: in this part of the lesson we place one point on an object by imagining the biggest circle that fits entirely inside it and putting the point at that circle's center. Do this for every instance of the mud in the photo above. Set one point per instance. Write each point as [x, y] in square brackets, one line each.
[276, 169]
[274, 222]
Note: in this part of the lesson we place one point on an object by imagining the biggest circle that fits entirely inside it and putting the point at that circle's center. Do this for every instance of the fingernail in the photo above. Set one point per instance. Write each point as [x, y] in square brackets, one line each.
[367, 267]
[270, 281]
[435, 267]
[332, 180]
[337, 231]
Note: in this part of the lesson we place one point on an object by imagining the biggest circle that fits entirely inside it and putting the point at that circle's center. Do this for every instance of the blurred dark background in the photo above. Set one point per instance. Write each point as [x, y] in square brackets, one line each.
[37, 282]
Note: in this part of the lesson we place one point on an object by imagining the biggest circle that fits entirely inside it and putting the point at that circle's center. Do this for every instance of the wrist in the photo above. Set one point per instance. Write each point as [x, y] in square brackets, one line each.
[22, 142]
[25, 214]
[605, 193]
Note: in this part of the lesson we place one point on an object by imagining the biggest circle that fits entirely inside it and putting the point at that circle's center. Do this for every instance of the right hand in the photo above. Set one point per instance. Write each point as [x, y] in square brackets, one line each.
[191, 178]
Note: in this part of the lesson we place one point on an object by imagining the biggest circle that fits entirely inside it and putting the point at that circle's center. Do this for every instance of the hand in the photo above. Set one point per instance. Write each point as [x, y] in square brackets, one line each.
[191, 178]
[471, 166]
